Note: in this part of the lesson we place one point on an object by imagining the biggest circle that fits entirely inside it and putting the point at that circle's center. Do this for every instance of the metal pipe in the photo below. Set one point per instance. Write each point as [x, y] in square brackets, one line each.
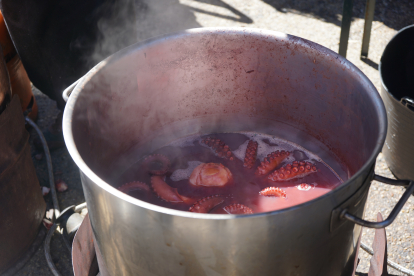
[66, 240]
[395, 182]
[48, 257]
[345, 27]
[79, 207]
[54, 199]
[49, 166]
[389, 263]
[369, 16]
[47, 251]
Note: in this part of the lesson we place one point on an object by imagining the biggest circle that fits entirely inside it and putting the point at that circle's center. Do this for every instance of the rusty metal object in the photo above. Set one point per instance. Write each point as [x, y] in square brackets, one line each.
[223, 80]
[34, 247]
[379, 260]
[19, 80]
[378, 263]
[22, 207]
[5, 89]
[390, 263]
[397, 75]
[356, 261]
[84, 257]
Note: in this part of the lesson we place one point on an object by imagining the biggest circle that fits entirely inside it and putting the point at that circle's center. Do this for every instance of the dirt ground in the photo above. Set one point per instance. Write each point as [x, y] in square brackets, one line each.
[316, 20]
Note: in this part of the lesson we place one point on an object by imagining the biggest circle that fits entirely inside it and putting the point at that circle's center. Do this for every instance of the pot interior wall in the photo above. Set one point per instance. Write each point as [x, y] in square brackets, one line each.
[397, 64]
[206, 81]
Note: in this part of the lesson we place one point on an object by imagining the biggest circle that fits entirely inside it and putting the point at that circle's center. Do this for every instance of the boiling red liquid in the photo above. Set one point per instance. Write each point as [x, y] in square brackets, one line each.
[189, 152]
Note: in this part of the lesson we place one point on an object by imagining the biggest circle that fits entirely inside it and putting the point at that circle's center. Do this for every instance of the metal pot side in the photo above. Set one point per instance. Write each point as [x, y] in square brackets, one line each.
[213, 80]
[397, 91]
[398, 149]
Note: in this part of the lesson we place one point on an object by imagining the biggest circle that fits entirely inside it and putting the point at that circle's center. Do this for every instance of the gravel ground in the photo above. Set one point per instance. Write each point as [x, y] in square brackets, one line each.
[315, 20]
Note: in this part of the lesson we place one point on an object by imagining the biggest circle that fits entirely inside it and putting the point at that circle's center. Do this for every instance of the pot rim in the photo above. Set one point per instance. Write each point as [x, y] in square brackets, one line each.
[71, 146]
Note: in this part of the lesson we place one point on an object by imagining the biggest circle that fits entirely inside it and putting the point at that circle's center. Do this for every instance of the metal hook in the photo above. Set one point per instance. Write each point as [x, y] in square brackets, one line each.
[408, 102]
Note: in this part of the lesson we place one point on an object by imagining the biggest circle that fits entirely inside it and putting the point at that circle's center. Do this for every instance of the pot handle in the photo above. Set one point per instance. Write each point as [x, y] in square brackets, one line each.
[397, 208]
[66, 93]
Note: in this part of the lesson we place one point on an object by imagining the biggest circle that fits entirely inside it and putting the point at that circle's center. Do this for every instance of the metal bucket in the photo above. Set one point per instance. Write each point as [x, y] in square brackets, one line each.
[22, 206]
[210, 80]
[397, 76]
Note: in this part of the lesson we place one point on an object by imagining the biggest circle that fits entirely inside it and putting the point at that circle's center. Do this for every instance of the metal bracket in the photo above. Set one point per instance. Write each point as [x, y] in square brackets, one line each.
[369, 17]
[345, 27]
[346, 211]
[66, 93]
[408, 102]
[351, 204]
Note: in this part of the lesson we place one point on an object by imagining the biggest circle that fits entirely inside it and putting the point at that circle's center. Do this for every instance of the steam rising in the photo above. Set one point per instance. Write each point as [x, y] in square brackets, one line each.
[125, 22]
[141, 93]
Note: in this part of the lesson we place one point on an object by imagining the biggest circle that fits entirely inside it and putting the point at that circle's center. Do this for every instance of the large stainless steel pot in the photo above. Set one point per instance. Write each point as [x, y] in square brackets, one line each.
[224, 80]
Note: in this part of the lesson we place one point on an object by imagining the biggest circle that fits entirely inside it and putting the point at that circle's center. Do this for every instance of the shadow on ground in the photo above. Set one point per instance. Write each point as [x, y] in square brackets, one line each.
[242, 17]
[394, 14]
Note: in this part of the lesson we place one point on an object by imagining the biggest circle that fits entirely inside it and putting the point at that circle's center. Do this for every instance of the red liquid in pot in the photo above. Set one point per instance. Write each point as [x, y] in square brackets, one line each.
[187, 153]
